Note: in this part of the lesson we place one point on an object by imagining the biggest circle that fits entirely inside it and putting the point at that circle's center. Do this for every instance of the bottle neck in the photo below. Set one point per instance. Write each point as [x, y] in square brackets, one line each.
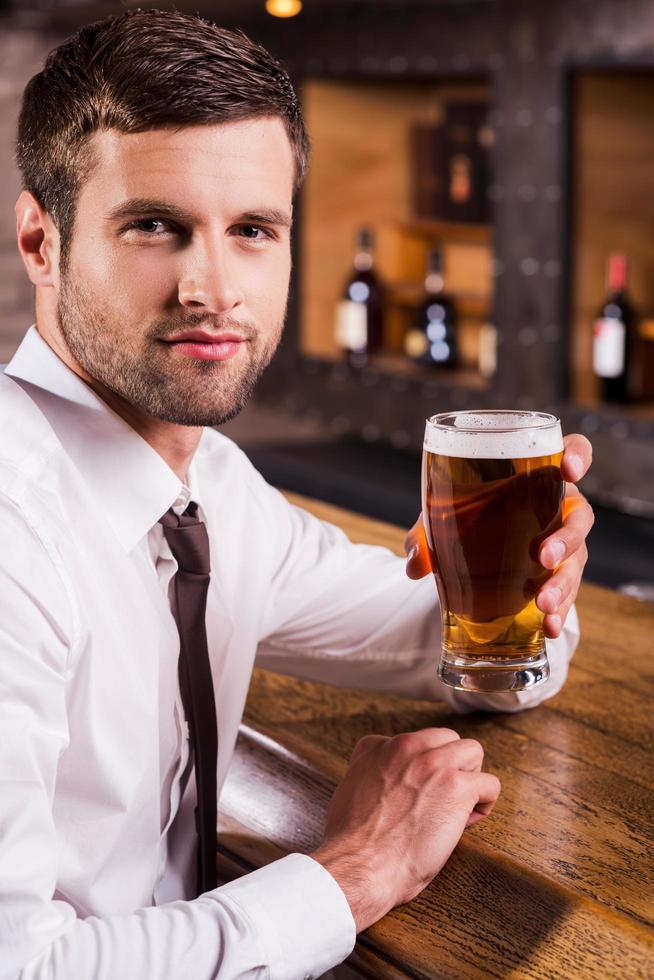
[434, 283]
[434, 272]
[617, 273]
[363, 261]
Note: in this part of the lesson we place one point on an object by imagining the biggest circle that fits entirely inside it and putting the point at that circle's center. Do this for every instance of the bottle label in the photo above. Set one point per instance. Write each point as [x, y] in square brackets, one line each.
[608, 348]
[460, 178]
[487, 350]
[351, 325]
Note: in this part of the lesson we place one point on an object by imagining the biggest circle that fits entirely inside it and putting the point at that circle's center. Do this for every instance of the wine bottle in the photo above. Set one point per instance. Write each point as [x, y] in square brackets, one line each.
[614, 336]
[359, 314]
[432, 338]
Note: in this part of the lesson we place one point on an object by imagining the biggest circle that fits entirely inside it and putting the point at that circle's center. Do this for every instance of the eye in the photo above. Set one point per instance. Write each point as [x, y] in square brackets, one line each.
[149, 226]
[254, 233]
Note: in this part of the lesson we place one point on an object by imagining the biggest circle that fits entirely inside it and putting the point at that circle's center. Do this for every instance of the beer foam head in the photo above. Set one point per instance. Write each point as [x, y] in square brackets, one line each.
[489, 434]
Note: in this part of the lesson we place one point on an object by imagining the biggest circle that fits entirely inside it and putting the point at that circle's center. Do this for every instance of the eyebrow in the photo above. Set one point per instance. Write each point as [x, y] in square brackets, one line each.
[142, 205]
[267, 216]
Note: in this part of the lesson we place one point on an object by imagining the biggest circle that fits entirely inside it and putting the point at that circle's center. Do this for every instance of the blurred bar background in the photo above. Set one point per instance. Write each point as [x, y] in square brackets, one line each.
[505, 147]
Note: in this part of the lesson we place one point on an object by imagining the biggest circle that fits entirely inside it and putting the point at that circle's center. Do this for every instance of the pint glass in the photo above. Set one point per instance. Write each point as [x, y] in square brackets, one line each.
[491, 493]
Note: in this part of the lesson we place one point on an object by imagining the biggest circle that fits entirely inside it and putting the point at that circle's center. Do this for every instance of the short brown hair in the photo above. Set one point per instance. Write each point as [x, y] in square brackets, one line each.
[141, 70]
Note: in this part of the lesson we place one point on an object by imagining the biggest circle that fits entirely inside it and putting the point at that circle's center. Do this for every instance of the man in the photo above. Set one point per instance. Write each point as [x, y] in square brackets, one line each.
[160, 157]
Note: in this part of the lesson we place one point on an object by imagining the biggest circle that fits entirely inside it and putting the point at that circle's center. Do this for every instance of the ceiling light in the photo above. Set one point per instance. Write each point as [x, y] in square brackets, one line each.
[283, 8]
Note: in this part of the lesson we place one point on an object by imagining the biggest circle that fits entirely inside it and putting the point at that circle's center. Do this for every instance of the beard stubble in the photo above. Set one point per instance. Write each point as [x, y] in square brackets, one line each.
[183, 390]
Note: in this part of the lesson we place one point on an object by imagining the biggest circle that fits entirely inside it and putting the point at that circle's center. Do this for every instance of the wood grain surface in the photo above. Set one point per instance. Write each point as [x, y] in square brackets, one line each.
[558, 882]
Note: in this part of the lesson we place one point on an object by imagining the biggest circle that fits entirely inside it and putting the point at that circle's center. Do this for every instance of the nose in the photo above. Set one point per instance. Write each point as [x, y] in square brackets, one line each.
[209, 284]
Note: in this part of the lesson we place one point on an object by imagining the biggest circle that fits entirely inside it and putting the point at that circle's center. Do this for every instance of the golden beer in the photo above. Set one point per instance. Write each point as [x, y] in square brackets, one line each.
[492, 493]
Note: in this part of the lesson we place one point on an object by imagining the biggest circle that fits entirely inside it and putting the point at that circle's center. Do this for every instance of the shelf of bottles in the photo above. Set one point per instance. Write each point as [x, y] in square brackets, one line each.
[415, 327]
[396, 245]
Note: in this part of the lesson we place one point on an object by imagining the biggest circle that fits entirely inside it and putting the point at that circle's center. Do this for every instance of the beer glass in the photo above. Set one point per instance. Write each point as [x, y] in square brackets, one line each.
[492, 492]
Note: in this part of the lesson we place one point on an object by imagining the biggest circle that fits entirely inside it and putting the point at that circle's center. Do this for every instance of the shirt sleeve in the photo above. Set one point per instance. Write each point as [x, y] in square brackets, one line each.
[347, 614]
[287, 921]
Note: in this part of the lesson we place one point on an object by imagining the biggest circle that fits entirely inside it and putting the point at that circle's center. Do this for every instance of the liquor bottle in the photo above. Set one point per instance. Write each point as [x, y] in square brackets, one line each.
[464, 142]
[432, 338]
[614, 336]
[359, 326]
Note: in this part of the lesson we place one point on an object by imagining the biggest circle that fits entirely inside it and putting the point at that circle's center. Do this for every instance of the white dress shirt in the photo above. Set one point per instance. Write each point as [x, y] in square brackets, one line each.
[96, 800]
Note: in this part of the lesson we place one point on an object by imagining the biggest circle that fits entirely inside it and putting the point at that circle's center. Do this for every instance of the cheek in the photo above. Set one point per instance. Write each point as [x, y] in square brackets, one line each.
[148, 288]
[146, 269]
[267, 287]
[129, 280]
[92, 263]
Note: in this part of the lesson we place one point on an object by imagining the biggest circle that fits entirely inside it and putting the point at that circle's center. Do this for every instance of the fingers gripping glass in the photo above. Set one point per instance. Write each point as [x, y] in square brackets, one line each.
[492, 492]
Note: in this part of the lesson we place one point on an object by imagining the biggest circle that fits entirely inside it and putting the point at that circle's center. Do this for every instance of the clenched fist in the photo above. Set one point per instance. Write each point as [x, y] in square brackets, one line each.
[399, 813]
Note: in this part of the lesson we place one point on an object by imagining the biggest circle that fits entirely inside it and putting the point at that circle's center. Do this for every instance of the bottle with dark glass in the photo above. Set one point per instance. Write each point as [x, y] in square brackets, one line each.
[614, 336]
[359, 314]
[432, 338]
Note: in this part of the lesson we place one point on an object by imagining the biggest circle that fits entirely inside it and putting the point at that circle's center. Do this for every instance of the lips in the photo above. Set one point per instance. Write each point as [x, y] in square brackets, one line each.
[203, 346]
[202, 337]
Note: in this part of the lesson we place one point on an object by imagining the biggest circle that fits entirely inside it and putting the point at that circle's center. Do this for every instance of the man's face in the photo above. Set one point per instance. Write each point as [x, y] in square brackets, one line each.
[175, 231]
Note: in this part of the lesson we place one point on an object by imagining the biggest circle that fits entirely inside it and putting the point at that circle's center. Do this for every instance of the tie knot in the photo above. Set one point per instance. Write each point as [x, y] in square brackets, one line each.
[187, 537]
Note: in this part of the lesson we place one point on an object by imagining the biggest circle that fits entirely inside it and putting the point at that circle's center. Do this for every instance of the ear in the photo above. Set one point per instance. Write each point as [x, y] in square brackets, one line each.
[38, 241]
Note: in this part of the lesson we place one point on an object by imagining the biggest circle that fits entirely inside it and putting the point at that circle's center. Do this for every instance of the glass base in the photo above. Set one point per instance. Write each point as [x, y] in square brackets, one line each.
[493, 676]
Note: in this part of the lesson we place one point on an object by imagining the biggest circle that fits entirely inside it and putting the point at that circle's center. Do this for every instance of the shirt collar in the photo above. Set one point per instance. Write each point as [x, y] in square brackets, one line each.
[129, 480]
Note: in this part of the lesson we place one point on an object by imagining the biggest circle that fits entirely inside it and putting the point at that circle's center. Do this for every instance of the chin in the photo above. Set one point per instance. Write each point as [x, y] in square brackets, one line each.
[202, 417]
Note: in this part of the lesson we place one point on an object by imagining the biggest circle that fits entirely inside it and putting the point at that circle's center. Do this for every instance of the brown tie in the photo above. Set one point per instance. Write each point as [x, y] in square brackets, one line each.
[189, 543]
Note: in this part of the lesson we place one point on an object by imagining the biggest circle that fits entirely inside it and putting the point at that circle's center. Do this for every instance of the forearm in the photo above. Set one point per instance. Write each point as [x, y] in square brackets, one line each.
[177, 940]
[375, 629]
[283, 921]
[392, 643]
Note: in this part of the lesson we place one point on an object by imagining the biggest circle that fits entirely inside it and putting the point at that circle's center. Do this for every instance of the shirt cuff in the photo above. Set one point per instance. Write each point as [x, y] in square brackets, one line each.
[301, 916]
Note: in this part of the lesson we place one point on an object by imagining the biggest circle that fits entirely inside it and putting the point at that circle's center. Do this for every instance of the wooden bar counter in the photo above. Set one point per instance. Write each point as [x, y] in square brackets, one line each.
[558, 882]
